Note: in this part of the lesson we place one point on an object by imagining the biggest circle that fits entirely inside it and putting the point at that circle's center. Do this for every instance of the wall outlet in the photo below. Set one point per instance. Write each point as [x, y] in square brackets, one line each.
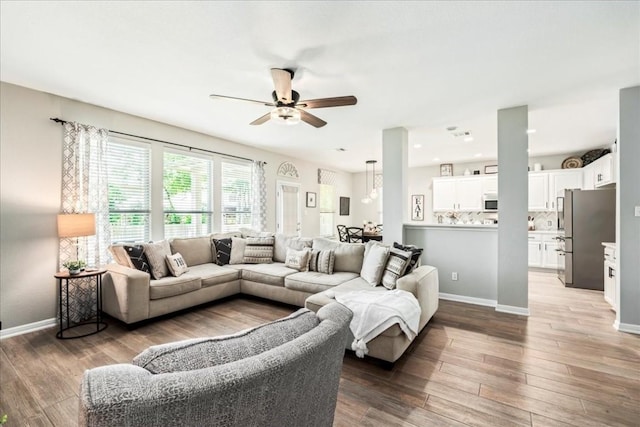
[454, 276]
[549, 223]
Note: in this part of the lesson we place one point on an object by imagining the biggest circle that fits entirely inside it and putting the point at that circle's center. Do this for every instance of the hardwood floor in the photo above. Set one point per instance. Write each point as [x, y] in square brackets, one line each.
[563, 365]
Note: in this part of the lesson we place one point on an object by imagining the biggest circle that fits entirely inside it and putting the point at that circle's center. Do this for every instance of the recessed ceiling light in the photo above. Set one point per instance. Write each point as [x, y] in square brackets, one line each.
[477, 155]
[530, 131]
[436, 159]
[417, 145]
[468, 138]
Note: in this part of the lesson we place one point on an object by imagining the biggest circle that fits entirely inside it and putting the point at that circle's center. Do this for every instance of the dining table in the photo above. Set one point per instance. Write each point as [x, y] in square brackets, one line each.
[366, 236]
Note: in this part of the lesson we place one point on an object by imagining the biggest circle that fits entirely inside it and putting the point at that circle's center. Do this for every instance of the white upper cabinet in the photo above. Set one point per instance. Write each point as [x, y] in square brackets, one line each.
[490, 184]
[457, 194]
[566, 179]
[599, 173]
[538, 191]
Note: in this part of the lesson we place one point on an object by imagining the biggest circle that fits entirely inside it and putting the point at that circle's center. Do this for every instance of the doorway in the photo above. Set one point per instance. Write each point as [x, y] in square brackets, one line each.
[288, 214]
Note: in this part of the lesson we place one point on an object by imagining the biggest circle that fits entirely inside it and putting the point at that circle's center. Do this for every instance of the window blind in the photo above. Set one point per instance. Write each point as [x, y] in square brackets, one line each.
[128, 177]
[187, 194]
[236, 195]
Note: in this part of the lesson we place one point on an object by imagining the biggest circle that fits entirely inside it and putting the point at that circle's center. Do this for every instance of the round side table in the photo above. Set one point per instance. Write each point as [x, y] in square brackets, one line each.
[70, 303]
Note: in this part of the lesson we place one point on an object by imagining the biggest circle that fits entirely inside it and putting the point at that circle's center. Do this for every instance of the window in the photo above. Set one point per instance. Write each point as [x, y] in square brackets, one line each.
[187, 196]
[236, 195]
[128, 167]
[327, 209]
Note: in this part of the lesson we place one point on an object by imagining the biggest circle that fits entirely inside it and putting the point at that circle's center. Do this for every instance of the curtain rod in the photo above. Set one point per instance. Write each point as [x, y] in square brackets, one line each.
[62, 122]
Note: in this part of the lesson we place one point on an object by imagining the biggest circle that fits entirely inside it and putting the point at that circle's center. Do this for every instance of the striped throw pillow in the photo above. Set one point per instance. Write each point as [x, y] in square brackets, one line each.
[259, 250]
[396, 265]
[322, 261]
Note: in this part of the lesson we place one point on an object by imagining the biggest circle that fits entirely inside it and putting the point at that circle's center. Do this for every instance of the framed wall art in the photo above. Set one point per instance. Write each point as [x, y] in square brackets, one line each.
[417, 207]
[311, 199]
[446, 169]
[344, 205]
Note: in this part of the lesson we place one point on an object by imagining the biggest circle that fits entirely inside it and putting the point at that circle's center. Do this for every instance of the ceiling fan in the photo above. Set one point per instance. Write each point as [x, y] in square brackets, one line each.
[288, 107]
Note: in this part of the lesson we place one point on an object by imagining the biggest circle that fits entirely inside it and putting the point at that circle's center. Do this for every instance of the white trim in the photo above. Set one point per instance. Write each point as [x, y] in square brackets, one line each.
[627, 327]
[520, 311]
[467, 300]
[29, 327]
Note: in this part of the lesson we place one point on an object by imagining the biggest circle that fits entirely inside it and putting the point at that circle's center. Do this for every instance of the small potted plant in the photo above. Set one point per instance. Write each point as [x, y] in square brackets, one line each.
[74, 266]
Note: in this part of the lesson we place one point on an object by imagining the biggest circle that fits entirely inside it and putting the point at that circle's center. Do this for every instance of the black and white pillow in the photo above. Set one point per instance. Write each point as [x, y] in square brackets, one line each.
[322, 261]
[223, 250]
[177, 264]
[416, 253]
[298, 260]
[397, 264]
[137, 257]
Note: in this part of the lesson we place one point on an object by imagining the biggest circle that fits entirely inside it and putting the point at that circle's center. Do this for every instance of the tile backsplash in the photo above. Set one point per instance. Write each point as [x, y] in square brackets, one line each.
[541, 220]
[544, 220]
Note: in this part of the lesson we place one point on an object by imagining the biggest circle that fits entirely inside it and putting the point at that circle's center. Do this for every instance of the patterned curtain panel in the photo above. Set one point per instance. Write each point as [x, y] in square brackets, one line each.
[259, 187]
[326, 177]
[85, 190]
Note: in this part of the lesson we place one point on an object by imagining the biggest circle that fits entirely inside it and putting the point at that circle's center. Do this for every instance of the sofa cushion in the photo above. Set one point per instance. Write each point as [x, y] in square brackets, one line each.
[212, 274]
[120, 256]
[323, 261]
[156, 254]
[374, 263]
[397, 263]
[194, 250]
[258, 250]
[222, 249]
[269, 274]
[349, 256]
[238, 244]
[298, 260]
[313, 282]
[415, 256]
[138, 258]
[283, 242]
[203, 353]
[176, 264]
[171, 286]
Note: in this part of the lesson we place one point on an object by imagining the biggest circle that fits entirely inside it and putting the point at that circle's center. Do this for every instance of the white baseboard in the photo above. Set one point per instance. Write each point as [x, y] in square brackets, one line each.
[30, 327]
[627, 327]
[520, 311]
[468, 300]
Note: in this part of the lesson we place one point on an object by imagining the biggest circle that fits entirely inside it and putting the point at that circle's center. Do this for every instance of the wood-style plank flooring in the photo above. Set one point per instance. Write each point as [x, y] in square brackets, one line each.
[563, 365]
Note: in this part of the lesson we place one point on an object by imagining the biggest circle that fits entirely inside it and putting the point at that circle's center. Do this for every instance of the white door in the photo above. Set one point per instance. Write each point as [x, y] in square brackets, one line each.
[535, 253]
[444, 195]
[469, 194]
[559, 181]
[288, 208]
[538, 192]
[550, 258]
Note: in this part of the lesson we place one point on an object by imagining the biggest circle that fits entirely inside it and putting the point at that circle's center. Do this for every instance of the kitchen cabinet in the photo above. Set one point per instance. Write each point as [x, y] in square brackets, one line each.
[457, 194]
[546, 187]
[610, 287]
[542, 250]
[599, 173]
[490, 184]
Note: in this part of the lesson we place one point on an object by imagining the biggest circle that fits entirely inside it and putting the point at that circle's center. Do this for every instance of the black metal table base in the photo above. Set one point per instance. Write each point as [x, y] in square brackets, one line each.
[70, 305]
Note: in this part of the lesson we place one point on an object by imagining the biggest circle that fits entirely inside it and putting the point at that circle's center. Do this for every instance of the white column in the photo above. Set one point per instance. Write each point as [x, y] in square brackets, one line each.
[513, 197]
[394, 166]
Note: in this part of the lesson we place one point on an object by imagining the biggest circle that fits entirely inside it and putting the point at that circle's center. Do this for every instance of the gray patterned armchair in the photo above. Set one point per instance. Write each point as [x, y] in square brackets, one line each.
[283, 373]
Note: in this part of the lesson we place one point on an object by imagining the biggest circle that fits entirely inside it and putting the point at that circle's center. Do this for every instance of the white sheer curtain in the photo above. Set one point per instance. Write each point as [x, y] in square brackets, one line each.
[290, 225]
[259, 188]
[85, 190]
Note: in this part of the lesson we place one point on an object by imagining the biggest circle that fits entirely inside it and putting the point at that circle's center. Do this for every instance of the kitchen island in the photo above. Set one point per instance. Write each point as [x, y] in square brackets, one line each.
[466, 256]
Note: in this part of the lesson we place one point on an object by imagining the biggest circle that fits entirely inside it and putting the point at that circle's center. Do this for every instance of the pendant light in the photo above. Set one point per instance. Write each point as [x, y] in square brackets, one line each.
[366, 199]
[374, 193]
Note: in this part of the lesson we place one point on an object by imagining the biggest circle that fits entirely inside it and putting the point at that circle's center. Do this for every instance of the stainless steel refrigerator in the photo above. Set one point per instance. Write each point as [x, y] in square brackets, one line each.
[588, 218]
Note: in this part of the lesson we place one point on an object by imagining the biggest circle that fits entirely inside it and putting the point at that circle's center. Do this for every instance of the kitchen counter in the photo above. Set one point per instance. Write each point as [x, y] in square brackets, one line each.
[454, 226]
[611, 245]
[543, 232]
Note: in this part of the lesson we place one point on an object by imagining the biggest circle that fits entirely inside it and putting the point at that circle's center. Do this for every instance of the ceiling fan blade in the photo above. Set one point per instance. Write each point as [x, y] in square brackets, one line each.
[282, 84]
[261, 120]
[311, 119]
[338, 101]
[233, 98]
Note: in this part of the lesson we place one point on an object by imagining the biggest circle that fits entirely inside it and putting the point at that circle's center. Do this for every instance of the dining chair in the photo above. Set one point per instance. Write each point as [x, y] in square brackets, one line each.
[342, 233]
[355, 234]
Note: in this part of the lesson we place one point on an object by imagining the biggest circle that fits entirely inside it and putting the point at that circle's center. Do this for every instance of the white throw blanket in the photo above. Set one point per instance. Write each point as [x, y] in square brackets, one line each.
[374, 312]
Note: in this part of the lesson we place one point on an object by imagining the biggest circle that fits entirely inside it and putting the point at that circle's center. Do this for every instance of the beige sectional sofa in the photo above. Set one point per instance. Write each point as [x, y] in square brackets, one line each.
[132, 295]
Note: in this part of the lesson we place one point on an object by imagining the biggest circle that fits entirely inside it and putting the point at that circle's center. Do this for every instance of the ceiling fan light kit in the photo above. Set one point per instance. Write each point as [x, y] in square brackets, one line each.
[288, 109]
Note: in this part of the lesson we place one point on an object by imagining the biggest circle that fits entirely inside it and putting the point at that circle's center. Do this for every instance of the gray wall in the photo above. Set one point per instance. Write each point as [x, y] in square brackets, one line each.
[395, 163]
[512, 198]
[470, 252]
[628, 197]
[30, 182]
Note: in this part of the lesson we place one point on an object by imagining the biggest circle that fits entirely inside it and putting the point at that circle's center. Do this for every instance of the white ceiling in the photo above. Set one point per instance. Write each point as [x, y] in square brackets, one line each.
[420, 65]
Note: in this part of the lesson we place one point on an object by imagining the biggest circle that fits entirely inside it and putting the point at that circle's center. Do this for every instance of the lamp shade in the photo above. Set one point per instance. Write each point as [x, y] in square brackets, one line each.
[76, 225]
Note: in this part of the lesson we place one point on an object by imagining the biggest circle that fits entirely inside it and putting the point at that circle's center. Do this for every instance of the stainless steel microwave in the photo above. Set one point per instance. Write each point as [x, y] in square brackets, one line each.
[490, 202]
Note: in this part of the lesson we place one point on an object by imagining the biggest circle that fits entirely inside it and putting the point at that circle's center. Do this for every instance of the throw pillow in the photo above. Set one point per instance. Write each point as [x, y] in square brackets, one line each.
[373, 265]
[138, 258]
[259, 250]
[397, 263]
[283, 242]
[416, 253]
[176, 264]
[322, 261]
[156, 254]
[237, 250]
[120, 256]
[223, 250]
[298, 260]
